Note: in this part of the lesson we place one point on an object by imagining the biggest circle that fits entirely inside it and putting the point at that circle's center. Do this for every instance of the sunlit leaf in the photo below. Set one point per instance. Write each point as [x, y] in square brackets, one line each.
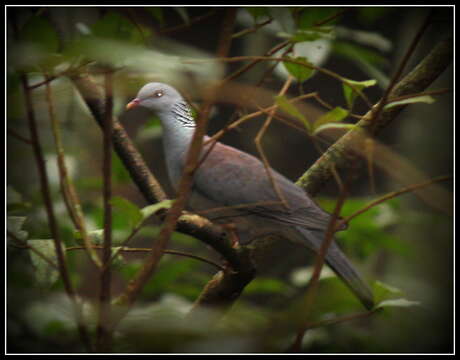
[397, 303]
[417, 99]
[301, 276]
[310, 35]
[298, 71]
[96, 237]
[152, 209]
[128, 210]
[285, 105]
[331, 126]
[333, 116]
[349, 91]
[14, 225]
[118, 261]
[45, 274]
[384, 291]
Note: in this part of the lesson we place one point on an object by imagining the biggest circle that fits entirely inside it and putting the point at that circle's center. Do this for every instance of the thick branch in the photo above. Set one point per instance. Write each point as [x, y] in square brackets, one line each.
[338, 154]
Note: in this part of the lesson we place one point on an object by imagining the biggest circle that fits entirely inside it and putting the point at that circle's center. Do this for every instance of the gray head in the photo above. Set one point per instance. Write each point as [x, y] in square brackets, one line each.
[157, 97]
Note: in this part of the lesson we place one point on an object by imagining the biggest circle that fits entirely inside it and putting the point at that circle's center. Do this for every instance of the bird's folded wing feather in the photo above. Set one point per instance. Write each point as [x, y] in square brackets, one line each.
[231, 177]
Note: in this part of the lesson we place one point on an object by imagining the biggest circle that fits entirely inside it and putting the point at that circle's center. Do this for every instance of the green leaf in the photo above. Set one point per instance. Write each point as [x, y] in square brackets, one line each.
[116, 27]
[309, 35]
[355, 52]
[14, 225]
[397, 303]
[332, 126]
[96, 237]
[45, 274]
[333, 116]
[349, 91]
[314, 15]
[301, 276]
[267, 286]
[129, 211]
[370, 15]
[298, 71]
[120, 174]
[384, 291]
[39, 32]
[147, 211]
[282, 102]
[417, 99]
[369, 225]
[258, 12]
[118, 261]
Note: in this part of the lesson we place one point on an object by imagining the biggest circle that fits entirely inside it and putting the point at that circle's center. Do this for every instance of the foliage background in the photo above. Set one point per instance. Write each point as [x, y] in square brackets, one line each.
[403, 243]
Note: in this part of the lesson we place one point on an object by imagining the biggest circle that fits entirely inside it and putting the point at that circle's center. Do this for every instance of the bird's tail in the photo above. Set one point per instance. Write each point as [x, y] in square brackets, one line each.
[338, 261]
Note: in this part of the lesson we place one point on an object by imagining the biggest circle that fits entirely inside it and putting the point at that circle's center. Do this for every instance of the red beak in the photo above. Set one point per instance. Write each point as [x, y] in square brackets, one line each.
[132, 104]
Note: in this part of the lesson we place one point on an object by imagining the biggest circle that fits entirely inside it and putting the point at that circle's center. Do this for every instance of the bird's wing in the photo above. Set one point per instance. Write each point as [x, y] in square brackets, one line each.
[231, 177]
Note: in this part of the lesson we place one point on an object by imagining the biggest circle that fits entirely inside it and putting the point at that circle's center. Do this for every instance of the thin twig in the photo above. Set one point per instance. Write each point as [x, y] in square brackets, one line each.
[146, 250]
[103, 332]
[332, 17]
[26, 245]
[319, 263]
[241, 120]
[14, 134]
[423, 93]
[252, 29]
[45, 190]
[254, 62]
[290, 60]
[391, 195]
[342, 319]
[68, 191]
[197, 19]
[258, 142]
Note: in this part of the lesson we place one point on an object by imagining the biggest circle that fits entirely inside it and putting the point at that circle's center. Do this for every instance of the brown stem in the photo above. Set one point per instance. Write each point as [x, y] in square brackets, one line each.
[45, 190]
[103, 332]
[319, 263]
[14, 134]
[166, 251]
[68, 191]
[258, 142]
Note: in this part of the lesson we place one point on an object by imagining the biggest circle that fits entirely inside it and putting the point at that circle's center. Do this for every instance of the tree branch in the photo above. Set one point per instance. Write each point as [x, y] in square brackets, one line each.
[338, 154]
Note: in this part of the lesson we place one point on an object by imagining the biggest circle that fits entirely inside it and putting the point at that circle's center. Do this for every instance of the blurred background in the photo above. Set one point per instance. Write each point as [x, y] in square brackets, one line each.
[404, 246]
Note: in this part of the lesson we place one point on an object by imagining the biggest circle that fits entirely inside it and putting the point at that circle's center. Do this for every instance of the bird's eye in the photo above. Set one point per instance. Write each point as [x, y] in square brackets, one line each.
[158, 93]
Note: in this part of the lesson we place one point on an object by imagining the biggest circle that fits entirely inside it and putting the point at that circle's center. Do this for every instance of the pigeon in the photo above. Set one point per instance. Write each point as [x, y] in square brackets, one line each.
[234, 187]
